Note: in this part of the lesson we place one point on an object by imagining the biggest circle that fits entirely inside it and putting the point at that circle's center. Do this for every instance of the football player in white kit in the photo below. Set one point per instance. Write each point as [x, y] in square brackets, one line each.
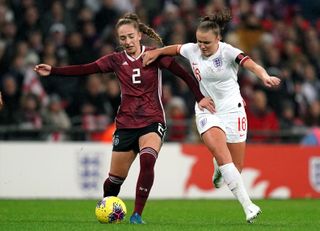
[215, 64]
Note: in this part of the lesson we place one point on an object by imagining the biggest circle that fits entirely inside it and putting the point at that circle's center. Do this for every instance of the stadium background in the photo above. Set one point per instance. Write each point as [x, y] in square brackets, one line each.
[68, 121]
[51, 128]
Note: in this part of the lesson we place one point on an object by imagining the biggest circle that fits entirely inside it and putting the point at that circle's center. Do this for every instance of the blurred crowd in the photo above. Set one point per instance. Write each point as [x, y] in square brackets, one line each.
[282, 36]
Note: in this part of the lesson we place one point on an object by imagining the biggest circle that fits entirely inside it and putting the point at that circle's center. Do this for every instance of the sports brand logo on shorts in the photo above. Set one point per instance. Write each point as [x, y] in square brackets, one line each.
[217, 62]
[115, 140]
[161, 129]
[203, 122]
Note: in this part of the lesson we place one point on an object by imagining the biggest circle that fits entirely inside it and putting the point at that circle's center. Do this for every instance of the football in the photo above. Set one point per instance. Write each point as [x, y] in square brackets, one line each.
[111, 210]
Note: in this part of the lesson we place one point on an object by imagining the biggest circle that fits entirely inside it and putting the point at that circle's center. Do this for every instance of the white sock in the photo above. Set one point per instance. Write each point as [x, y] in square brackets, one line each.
[234, 181]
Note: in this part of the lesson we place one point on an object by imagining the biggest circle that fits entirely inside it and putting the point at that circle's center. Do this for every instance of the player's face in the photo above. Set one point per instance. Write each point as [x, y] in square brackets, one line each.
[207, 42]
[129, 39]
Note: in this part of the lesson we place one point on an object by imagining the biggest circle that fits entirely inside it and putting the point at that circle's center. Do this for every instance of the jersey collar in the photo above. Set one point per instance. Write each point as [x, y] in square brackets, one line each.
[132, 59]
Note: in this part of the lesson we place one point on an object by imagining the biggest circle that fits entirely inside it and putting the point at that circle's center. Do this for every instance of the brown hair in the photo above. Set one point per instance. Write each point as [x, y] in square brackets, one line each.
[215, 22]
[134, 20]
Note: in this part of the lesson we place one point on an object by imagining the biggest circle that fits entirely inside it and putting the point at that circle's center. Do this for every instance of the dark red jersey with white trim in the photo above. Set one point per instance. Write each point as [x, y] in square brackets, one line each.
[140, 89]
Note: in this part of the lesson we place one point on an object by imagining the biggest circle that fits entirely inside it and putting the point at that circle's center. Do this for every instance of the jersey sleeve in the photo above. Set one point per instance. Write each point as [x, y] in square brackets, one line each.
[186, 50]
[165, 61]
[106, 63]
[236, 55]
[82, 69]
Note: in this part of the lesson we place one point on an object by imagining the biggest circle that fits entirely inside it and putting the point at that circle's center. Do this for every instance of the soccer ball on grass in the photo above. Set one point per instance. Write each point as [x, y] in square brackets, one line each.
[111, 210]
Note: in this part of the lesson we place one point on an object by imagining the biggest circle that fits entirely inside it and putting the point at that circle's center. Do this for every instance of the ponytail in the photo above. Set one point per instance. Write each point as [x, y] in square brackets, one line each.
[215, 22]
[133, 19]
[150, 33]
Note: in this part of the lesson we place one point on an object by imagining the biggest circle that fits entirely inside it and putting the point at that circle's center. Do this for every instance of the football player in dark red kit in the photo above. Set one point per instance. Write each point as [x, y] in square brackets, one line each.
[140, 121]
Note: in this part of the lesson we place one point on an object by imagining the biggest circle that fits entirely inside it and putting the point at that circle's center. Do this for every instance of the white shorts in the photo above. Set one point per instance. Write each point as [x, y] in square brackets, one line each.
[234, 124]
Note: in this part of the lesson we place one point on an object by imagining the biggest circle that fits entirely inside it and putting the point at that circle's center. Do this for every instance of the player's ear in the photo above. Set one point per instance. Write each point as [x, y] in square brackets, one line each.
[139, 35]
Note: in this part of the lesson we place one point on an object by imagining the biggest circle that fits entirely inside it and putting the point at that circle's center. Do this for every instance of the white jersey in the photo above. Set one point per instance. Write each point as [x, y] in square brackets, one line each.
[217, 74]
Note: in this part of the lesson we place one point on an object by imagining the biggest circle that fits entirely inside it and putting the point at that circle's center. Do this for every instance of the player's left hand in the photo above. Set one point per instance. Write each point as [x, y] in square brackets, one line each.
[271, 81]
[149, 56]
[207, 103]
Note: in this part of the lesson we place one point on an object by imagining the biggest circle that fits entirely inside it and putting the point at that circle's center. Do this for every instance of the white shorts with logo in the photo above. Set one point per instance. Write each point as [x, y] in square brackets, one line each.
[234, 124]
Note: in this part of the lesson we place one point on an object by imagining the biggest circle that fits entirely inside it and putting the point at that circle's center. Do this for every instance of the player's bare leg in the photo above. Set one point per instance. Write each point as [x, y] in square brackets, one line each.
[119, 168]
[215, 140]
[237, 151]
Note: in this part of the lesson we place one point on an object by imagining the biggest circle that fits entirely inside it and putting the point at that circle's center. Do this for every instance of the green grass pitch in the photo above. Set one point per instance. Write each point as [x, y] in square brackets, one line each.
[167, 215]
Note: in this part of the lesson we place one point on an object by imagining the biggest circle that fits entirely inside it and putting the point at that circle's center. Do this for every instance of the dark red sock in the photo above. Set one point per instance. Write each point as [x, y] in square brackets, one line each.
[148, 158]
[112, 185]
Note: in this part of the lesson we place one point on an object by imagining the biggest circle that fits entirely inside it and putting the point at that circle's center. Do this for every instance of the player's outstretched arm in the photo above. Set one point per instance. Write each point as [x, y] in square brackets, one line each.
[268, 81]
[82, 69]
[149, 56]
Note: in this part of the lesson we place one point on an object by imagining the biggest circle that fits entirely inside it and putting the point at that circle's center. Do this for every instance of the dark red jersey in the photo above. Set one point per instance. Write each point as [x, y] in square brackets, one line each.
[140, 89]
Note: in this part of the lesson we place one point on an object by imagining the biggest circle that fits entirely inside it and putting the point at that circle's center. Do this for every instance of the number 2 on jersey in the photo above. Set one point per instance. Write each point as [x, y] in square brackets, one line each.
[135, 75]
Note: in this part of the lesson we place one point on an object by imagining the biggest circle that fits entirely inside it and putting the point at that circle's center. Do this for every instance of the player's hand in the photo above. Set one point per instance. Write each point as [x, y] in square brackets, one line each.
[271, 81]
[1, 102]
[207, 103]
[149, 56]
[43, 69]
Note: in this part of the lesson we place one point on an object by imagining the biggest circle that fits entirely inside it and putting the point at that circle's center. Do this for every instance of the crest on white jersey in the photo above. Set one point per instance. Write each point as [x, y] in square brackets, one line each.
[217, 62]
